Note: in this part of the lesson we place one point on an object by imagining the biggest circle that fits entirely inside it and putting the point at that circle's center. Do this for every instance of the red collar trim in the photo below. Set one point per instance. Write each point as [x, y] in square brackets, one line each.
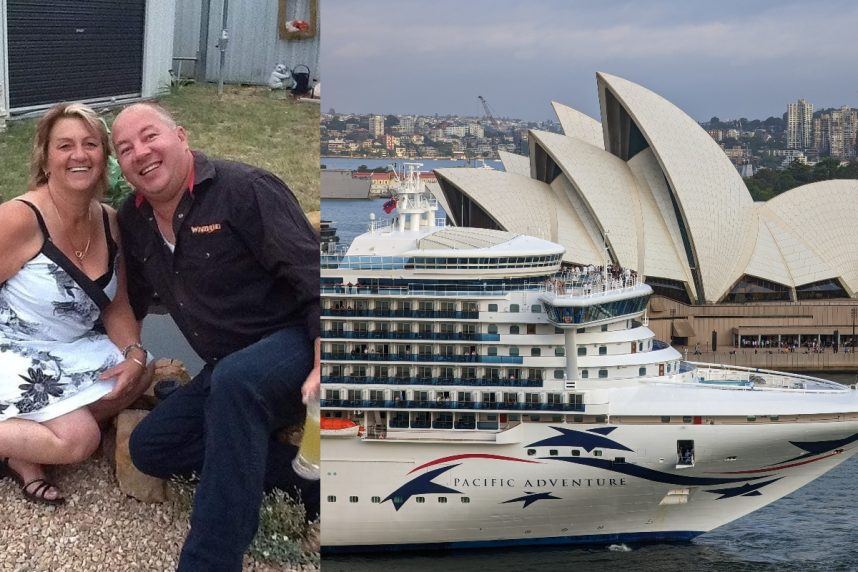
[139, 199]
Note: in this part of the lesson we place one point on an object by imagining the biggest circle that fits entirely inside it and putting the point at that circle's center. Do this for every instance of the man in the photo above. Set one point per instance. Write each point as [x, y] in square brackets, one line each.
[234, 260]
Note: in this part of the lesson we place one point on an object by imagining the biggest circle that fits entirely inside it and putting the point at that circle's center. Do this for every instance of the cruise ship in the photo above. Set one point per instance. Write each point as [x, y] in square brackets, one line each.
[476, 392]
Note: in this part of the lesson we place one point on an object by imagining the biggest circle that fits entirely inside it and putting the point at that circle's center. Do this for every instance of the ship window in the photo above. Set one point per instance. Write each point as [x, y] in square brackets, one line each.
[619, 460]
[576, 453]
[513, 351]
[603, 350]
[442, 500]
[531, 329]
[605, 328]
[585, 373]
[513, 307]
[558, 330]
[686, 419]
[553, 452]
[419, 500]
[559, 351]
[536, 309]
[577, 418]
[665, 419]
[492, 350]
[333, 394]
[353, 499]
[775, 417]
[597, 452]
[580, 330]
[558, 374]
[535, 352]
[332, 498]
[493, 307]
[531, 452]
[465, 500]
[493, 329]
[582, 350]
[513, 329]
[376, 499]
[640, 346]
[603, 373]
[642, 371]
[752, 418]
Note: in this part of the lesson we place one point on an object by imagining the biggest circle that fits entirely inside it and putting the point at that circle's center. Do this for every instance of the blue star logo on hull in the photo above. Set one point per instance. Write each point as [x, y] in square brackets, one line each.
[420, 485]
[529, 498]
[746, 490]
[587, 440]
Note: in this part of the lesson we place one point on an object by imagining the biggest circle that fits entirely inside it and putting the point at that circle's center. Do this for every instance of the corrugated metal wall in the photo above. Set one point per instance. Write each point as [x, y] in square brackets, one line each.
[254, 45]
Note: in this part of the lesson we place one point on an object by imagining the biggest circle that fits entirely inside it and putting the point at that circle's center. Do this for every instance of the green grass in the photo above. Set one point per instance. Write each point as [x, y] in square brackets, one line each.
[246, 124]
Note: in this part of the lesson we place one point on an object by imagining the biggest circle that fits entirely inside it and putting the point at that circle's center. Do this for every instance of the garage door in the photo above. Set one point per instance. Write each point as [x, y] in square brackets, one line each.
[65, 50]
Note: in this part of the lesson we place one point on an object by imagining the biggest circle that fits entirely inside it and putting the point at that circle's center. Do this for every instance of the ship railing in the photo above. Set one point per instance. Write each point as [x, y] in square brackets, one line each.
[412, 357]
[453, 289]
[759, 379]
[588, 283]
[356, 404]
[390, 335]
[433, 381]
[367, 313]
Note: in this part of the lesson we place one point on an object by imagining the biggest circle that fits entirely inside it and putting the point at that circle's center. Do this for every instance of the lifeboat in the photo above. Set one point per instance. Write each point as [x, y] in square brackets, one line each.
[335, 427]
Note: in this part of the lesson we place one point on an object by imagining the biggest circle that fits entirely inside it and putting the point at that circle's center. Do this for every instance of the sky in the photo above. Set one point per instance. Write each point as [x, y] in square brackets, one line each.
[728, 58]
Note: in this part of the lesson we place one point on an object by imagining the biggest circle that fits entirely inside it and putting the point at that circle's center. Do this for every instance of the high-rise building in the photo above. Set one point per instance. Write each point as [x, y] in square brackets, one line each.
[799, 125]
[376, 126]
[406, 124]
[834, 133]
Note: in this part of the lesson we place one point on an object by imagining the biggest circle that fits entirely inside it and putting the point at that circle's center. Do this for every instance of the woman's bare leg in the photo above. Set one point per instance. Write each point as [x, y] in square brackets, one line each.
[68, 439]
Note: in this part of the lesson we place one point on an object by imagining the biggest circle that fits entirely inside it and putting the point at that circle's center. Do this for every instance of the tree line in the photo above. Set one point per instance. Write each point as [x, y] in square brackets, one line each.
[769, 183]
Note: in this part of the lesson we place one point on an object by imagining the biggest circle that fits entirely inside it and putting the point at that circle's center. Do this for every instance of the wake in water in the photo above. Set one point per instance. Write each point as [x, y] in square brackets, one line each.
[619, 548]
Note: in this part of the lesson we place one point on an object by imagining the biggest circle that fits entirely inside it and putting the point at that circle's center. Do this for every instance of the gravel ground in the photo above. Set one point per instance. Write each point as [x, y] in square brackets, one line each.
[97, 529]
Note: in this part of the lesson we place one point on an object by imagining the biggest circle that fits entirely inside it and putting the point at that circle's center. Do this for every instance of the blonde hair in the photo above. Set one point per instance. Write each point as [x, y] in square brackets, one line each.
[39, 158]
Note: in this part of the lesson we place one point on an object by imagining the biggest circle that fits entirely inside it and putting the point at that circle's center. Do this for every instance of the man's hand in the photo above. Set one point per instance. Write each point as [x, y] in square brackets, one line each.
[311, 389]
[127, 373]
[312, 386]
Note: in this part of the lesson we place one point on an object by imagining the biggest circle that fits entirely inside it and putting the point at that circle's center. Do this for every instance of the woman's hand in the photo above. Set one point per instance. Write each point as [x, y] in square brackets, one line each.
[128, 374]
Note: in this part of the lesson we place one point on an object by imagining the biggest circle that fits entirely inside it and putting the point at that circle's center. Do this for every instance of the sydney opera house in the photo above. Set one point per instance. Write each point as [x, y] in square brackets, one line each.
[651, 186]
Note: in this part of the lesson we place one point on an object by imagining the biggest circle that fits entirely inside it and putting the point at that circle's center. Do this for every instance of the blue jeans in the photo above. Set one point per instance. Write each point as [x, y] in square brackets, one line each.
[222, 426]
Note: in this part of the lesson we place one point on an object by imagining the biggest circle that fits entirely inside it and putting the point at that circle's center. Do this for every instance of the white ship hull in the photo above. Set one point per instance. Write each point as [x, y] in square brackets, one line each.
[520, 499]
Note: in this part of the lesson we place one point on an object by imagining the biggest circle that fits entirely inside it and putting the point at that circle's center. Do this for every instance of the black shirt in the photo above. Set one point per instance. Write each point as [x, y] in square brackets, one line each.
[246, 260]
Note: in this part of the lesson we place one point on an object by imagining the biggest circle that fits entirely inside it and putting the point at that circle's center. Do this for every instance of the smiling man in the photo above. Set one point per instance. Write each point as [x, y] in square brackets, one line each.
[232, 257]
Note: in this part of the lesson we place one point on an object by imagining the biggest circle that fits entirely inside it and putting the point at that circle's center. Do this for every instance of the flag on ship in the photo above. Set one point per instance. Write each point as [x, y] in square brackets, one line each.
[389, 205]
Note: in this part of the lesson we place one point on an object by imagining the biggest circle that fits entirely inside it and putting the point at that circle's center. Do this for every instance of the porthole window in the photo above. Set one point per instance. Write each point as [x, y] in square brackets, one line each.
[493, 329]
[492, 350]
[465, 500]
[442, 500]
[513, 307]
[553, 452]
[603, 350]
[642, 371]
[603, 373]
[582, 350]
[536, 308]
[558, 374]
[513, 351]
[493, 307]
[531, 452]
[576, 453]
[332, 499]
[585, 373]
[665, 419]
[535, 352]
[513, 329]
[420, 500]
[597, 452]
[353, 499]
[559, 351]
[376, 499]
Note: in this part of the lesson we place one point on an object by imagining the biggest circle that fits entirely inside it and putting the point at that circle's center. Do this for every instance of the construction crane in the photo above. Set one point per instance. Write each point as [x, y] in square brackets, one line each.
[488, 110]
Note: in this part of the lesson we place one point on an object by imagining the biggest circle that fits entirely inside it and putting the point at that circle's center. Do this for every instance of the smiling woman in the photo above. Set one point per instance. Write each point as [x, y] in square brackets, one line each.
[59, 278]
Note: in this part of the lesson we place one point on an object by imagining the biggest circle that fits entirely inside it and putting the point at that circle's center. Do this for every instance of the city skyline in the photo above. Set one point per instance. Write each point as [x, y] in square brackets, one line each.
[731, 61]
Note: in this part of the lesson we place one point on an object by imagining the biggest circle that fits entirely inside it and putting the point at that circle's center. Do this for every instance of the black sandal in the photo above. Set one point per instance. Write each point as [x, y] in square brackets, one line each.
[36, 495]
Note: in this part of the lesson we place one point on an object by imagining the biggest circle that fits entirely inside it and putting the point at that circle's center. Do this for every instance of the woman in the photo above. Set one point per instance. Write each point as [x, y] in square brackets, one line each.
[60, 277]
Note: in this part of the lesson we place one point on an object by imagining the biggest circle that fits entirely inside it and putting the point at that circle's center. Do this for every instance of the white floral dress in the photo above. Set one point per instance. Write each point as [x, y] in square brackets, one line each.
[51, 352]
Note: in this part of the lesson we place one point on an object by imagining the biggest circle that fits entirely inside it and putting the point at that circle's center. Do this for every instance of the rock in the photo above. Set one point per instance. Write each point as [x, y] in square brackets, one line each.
[131, 481]
[165, 368]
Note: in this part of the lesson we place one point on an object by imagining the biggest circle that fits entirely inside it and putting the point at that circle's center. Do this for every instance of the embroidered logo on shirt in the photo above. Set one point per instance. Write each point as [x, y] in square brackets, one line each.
[206, 228]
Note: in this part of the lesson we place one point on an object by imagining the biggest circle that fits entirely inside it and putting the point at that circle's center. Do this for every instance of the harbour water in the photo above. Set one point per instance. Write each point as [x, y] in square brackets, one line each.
[812, 529]
[428, 164]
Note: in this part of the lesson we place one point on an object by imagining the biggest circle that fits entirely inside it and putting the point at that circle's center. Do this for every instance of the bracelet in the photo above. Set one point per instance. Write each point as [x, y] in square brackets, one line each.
[138, 362]
[134, 346]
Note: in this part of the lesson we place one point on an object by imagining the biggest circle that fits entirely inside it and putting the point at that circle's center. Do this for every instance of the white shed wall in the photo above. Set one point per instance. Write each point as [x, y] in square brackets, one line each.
[158, 46]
